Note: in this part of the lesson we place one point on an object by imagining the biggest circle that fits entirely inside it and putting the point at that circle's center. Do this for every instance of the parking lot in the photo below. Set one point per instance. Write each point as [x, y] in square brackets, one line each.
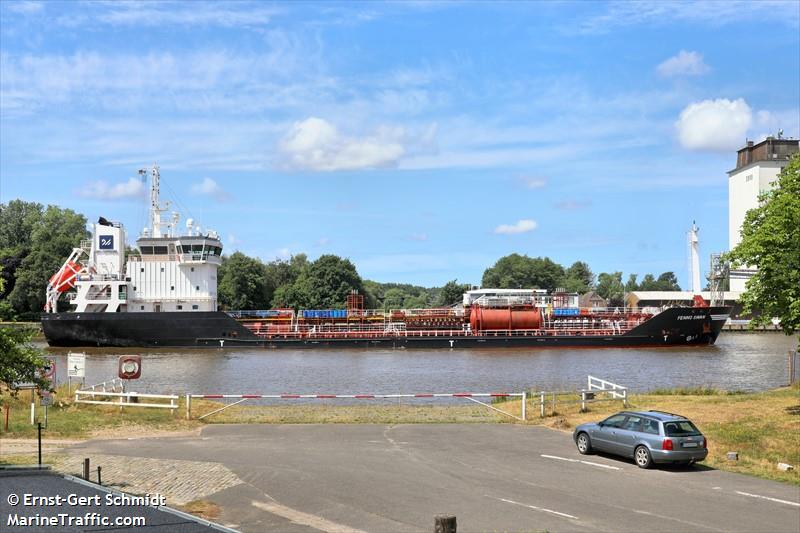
[345, 478]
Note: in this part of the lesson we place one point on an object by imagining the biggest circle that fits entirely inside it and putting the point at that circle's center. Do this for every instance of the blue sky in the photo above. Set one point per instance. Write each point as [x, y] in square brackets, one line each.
[421, 140]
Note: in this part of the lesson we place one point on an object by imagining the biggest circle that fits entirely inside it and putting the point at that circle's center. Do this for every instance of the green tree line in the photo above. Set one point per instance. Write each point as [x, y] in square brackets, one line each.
[35, 240]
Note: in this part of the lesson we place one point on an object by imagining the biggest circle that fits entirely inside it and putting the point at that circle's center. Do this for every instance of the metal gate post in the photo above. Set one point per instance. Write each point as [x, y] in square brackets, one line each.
[541, 403]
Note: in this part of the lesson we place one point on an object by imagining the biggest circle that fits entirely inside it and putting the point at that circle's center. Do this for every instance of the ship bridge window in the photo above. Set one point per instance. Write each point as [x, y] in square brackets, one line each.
[159, 250]
[180, 249]
[146, 250]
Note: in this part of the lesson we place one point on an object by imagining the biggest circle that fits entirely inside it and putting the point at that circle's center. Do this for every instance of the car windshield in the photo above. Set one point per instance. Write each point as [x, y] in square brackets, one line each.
[682, 428]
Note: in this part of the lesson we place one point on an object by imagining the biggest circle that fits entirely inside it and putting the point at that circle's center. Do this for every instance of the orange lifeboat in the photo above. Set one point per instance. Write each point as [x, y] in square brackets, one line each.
[64, 279]
[483, 319]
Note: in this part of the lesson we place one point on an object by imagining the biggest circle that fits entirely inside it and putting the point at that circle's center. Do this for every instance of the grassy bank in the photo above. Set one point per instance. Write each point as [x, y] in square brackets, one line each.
[763, 427]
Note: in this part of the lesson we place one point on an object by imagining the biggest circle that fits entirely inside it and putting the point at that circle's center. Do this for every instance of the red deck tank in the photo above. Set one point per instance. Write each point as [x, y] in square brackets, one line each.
[483, 319]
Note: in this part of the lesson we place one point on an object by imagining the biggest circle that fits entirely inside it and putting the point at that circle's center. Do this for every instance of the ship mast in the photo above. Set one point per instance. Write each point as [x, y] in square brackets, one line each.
[155, 204]
[694, 259]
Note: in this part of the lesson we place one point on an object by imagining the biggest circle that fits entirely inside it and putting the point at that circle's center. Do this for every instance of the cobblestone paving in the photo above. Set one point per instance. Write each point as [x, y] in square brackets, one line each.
[179, 481]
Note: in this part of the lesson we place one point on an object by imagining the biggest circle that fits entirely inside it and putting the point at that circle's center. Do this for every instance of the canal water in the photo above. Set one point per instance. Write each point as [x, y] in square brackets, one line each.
[739, 361]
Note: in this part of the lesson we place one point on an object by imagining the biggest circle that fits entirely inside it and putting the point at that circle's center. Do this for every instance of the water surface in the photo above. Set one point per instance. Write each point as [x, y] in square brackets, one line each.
[739, 361]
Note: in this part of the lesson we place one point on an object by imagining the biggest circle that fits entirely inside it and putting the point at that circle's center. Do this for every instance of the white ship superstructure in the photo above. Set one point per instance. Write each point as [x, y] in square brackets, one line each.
[172, 272]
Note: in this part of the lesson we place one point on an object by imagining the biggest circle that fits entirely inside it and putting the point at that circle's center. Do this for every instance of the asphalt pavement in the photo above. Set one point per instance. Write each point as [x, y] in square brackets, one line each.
[493, 477]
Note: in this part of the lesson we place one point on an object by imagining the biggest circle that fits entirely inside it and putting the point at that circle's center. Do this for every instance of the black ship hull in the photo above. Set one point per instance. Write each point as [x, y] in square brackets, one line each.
[677, 326]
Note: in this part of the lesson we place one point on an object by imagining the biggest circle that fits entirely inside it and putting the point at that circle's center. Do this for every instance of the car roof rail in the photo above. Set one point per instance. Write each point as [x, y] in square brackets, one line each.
[664, 413]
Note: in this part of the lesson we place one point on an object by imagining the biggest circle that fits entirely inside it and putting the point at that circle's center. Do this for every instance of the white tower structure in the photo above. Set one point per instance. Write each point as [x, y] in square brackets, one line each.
[694, 258]
[757, 168]
[172, 272]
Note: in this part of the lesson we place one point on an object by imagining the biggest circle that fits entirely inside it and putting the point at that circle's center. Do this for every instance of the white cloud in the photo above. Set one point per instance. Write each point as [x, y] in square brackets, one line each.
[133, 188]
[621, 13]
[419, 237]
[573, 205]
[209, 187]
[324, 241]
[683, 64]
[316, 144]
[535, 183]
[25, 7]
[719, 125]
[522, 226]
[224, 14]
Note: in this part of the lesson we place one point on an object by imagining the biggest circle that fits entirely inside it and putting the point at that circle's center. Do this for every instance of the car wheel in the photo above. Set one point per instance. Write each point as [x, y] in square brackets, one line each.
[584, 444]
[642, 457]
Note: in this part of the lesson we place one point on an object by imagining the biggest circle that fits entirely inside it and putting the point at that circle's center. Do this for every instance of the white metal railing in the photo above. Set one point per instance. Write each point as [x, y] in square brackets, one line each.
[126, 399]
[112, 384]
[597, 384]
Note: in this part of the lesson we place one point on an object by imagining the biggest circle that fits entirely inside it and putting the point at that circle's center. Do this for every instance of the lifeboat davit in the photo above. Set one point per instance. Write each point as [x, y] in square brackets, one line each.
[64, 279]
[483, 319]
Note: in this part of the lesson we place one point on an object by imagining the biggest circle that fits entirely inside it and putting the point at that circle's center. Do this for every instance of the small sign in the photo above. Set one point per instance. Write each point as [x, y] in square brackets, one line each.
[76, 365]
[130, 366]
[46, 398]
[106, 242]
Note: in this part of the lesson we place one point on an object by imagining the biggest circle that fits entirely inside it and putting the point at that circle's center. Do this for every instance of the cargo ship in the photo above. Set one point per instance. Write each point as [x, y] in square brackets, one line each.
[166, 296]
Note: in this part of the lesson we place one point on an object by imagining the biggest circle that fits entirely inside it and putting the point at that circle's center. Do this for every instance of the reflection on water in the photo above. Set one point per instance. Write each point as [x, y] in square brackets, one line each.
[739, 361]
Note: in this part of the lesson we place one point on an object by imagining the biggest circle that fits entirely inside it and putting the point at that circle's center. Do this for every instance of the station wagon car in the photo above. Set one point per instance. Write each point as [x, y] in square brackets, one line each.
[646, 436]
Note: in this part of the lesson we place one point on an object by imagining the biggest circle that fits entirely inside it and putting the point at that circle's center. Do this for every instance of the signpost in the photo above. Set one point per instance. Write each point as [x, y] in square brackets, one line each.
[76, 367]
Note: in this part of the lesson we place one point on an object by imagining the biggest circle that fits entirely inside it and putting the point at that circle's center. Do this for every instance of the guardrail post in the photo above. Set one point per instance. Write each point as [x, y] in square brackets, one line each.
[524, 400]
[188, 407]
[554, 404]
[625, 397]
[541, 403]
[583, 401]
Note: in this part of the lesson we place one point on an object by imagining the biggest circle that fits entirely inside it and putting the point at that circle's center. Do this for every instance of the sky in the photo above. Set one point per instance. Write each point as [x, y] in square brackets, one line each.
[423, 140]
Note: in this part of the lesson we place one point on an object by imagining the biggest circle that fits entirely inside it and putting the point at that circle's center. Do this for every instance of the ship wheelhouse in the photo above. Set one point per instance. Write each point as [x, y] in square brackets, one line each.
[171, 272]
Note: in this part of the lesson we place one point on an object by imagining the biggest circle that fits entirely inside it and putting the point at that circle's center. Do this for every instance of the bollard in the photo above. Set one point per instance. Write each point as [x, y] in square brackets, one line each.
[39, 427]
[444, 524]
[524, 400]
[86, 469]
[99, 479]
[188, 407]
[541, 403]
[583, 402]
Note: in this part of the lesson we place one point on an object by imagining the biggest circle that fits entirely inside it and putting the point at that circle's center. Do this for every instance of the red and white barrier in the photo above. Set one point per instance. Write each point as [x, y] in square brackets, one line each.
[360, 396]
[468, 395]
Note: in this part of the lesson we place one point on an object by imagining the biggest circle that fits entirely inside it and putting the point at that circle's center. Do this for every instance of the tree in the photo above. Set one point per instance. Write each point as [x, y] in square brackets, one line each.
[631, 284]
[243, 283]
[667, 282]
[322, 284]
[581, 273]
[522, 272]
[452, 293]
[609, 286]
[19, 360]
[648, 283]
[51, 241]
[771, 243]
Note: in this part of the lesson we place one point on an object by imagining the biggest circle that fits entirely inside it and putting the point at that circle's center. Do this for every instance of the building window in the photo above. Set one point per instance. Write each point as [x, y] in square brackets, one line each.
[134, 287]
[172, 287]
[749, 177]
[197, 287]
[180, 307]
[162, 269]
[142, 308]
[141, 269]
[195, 306]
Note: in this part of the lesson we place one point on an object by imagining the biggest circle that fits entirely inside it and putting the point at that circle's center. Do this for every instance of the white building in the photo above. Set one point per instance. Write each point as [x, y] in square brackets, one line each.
[757, 168]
